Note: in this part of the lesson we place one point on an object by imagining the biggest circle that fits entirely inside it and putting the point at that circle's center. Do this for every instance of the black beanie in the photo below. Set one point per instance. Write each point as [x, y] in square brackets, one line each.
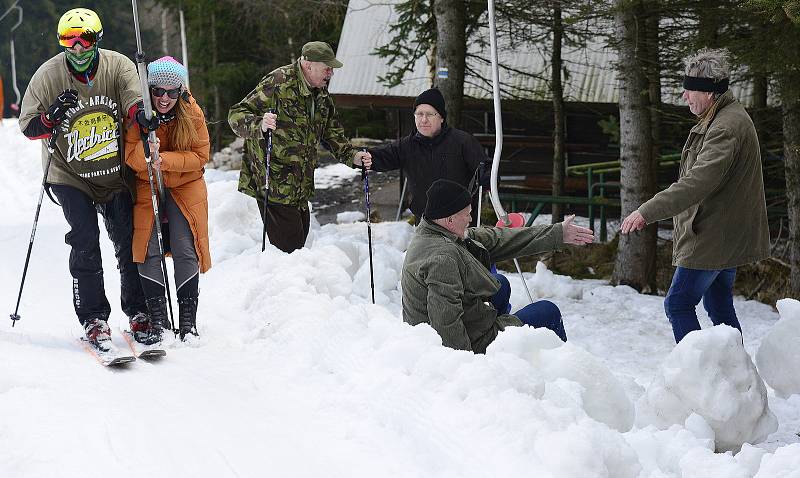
[446, 198]
[434, 98]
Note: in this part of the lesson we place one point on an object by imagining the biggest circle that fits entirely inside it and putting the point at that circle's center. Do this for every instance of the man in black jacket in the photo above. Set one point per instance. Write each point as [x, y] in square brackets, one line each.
[434, 151]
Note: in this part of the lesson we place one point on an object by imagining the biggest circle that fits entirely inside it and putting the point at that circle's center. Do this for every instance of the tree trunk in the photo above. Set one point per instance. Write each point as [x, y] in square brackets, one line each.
[216, 137]
[653, 61]
[451, 52]
[790, 97]
[559, 119]
[635, 262]
[759, 108]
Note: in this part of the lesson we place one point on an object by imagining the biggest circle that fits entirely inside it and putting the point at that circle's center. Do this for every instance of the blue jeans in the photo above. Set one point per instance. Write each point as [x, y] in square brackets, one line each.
[715, 287]
[542, 313]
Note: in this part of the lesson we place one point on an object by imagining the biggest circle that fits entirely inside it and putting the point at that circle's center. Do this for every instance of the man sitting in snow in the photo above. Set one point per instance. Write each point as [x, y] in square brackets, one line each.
[446, 279]
[717, 204]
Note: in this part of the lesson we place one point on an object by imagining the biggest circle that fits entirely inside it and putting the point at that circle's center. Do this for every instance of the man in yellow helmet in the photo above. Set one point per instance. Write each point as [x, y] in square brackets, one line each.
[78, 102]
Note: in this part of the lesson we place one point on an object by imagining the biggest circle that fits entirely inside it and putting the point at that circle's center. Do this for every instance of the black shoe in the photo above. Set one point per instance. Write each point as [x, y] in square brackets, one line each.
[187, 317]
[158, 317]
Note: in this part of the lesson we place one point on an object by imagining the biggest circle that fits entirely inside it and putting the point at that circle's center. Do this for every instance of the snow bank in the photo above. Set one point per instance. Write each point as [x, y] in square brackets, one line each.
[784, 463]
[576, 378]
[349, 217]
[778, 357]
[709, 373]
[333, 175]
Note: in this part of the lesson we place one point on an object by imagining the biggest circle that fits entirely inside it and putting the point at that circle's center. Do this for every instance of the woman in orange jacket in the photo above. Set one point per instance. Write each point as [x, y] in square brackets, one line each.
[183, 151]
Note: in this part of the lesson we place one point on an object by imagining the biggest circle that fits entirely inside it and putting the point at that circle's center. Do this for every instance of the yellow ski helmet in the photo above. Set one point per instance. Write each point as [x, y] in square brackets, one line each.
[79, 25]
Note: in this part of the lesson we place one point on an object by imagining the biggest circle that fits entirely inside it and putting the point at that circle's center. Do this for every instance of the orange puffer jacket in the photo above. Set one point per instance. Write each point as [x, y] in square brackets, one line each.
[182, 173]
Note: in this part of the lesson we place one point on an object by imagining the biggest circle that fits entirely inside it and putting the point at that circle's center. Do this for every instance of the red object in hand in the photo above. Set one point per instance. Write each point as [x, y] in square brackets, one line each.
[516, 220]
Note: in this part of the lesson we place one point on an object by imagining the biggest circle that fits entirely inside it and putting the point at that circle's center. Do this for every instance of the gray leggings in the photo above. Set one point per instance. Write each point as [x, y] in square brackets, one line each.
[181, 244]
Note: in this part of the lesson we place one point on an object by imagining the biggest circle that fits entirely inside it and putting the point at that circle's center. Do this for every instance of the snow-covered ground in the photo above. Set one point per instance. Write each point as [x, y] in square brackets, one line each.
[296, 373]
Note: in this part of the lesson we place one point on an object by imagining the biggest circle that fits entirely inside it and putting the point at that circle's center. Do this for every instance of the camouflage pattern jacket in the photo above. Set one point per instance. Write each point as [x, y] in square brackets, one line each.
[306, 118]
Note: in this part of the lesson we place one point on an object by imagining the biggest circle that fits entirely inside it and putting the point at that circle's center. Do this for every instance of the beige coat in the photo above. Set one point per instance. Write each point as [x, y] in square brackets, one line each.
[718, 204]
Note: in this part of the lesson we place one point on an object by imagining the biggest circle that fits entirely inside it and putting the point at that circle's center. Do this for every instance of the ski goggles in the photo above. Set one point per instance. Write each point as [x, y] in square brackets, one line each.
[158, 92]
[72, 36]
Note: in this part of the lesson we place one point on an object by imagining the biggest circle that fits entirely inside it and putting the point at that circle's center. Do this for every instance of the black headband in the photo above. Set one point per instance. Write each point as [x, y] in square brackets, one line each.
[709, 85]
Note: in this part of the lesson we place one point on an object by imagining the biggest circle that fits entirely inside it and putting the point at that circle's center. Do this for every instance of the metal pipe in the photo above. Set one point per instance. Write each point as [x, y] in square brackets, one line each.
[498, 120]
[184, 53]
[494, 195]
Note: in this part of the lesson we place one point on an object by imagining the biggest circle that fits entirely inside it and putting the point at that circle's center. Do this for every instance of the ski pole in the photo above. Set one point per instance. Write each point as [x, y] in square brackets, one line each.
[266, 186]
[149, 158]
[51, 145]
[402, 199]
[365, 178]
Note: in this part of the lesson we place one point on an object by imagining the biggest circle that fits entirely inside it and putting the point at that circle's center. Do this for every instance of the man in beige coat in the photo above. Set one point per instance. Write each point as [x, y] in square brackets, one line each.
[447, 282]
[718, 204]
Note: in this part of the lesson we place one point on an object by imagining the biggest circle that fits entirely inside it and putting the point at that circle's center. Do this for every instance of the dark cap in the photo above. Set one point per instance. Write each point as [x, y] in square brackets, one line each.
[321, 52]
[446, 198]
[434, 98]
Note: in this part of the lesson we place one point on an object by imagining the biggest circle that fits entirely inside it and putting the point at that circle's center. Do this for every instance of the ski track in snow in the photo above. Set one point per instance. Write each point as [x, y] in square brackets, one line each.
[296, 373]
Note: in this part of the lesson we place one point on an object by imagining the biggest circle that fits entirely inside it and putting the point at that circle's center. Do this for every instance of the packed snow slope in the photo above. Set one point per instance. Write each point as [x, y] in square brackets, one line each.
[297, 374]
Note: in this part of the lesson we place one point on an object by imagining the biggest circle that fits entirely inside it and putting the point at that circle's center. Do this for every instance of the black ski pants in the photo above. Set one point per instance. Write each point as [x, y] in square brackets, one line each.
[85, 263]
[287, 226]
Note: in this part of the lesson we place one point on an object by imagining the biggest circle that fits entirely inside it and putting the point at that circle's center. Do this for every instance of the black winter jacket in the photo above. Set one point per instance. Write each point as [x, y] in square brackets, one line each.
[452, 154]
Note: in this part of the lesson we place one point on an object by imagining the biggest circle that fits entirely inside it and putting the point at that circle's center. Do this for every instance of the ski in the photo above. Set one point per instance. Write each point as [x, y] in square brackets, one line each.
[112, 358]
[142, 351]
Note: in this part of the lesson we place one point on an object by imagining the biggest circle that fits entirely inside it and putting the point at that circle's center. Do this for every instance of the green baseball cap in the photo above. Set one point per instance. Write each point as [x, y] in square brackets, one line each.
[321, 52]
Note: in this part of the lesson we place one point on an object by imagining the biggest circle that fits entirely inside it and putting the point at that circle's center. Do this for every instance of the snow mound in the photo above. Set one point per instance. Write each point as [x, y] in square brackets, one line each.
[333, 175]
[709, 373]
[784, 463]
[574, 377]
[778, 357]
[349, 217]
[545, 283]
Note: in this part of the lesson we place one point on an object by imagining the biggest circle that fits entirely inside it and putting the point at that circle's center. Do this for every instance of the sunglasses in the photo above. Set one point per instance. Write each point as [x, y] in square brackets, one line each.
[159, 92]
[68, 39]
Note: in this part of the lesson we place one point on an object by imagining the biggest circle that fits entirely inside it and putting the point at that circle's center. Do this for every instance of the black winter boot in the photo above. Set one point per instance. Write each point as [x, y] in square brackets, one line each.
[187, 316]
[158, 318]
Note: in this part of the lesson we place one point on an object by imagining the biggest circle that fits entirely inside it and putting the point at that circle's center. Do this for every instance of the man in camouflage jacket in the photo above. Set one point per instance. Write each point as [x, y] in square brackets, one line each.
[292, 101]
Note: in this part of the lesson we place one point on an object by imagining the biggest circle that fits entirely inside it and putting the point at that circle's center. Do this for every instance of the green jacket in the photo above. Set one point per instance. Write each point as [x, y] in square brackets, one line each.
[306, 118]
[718, 205]
[446, 280]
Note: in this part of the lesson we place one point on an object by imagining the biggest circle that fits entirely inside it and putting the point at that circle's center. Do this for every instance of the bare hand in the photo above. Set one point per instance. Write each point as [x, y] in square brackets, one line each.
[634, 222]
[154, 153]
[363, 157]
[269, 121]
[576, 235]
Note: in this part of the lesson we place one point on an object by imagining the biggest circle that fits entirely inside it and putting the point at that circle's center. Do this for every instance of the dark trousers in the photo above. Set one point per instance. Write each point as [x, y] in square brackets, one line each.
[541, 313]
[287, 226]
[85, 263]
[714, 287]
[181, 245]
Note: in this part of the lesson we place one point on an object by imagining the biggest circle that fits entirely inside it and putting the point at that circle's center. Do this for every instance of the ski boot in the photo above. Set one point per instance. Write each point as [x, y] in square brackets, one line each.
[98, 334]
[158, 318]
[187, 316]
[140, 326]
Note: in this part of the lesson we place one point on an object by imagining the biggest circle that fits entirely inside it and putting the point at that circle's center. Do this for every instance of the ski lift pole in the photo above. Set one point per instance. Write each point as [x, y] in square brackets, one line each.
[51, 146]
[365, 178]
[149, 157]
[494, 196]
[266, 186]
[402, 200]
[18, 9]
